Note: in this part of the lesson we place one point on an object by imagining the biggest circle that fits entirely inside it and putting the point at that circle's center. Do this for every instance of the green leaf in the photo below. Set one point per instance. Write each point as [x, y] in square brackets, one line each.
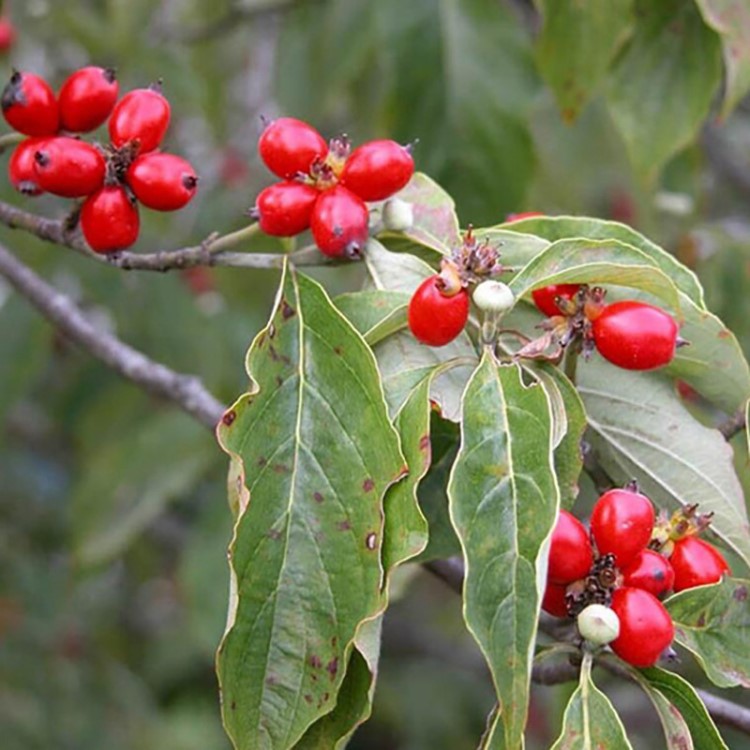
[590, 720]
[597, 262]
[731, 20]
[319, 453]
[554, 228]
[640, 429]
[686, 721]
[576, 45]
[503, 504]
[712, 622]
[375, 314]
[661, 88]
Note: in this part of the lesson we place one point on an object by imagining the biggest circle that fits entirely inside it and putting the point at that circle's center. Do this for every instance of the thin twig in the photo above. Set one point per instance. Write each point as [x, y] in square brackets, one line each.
[186, 391]
[733, 425]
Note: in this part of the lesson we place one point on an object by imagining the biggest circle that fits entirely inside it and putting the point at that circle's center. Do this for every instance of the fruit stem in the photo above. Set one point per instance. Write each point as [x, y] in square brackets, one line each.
[10, 139]
[570, 365]
[233, 238]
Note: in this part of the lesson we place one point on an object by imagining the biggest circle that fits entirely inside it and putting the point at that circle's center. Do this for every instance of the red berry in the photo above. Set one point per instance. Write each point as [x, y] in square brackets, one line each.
[545, 297]
[7, 34]
[436, 318]
[86, 98]
[142, 115]
[29, 105]
[646, 628]
[109, 220]
[570, 556]
[378, 169]
[339, 222]
[696, 563]
[289, 146]
[554, 600]
[285, 208]
[69, 167]
[621, 524]
[21, 167]
[634, 335]
[164, 182]
[522, 215]
[649, 571]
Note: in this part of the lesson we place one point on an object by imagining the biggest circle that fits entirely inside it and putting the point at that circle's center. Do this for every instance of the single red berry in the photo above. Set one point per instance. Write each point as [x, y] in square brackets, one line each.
[522, 215]
[696, 563]
[634, 335]
[164, 182]
[289, 146]
[7, 34]
[69, 167]
[649, 571]
[434, 317]
[87, 98]
[570, 556]
[378, 169]
[339, 222]
[141, 115]
[29, 105]
[285, 208]
[646, 628]
[21, 169]
[545, 297]
[554, 600]
[109, 220]
[621, 524]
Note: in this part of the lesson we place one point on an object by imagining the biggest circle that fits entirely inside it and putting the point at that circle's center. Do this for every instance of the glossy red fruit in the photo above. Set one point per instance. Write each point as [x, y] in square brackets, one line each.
[141, 115]
[21, 168]
[109, 220]
[635, 336]
[29, 105]
[7, 34]
[378, 169]
[435, 318]
[545, 297]
[164, 182]
[339, 222]
[649, 571]
[554, 600]
[285, 208]
[289, 146]
[570, 556]
[646, 628]
[621, 524]
[87, 98]
[696, 563]
[69, 167]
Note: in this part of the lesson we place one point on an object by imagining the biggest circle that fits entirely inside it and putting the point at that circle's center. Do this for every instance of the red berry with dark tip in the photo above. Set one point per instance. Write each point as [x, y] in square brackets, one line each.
[378, 169]
[109, 220]
[649, 571]
[646, 628]
[87, 98]
[69, 167]
[339, 223]
[696, 563]
[29, 105]
[554, 600]
[545, 298]
[289, 146]
[285, 208]
[436, 318]
[164, 182]
[21, 167]
[141, 115]
[570, 556]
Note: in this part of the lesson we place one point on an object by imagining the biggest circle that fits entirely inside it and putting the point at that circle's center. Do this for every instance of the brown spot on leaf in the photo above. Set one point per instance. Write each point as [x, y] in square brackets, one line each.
[271, 680]
[368, 485]
[724, 334]
[334, 641]
[343, 526]
[315, 662]
[273, 353]
[262, 461]
[308, 698]
[287, 311]
[279, 381]
[338, 350]
[333, 667]
[274, 534]
[317, 497]
[262, 339]
[740, 594]
[371, 540]
[314, 677]
[701, 620]
[229, 417]
[281, 469]
[424, 443]
[679, 741]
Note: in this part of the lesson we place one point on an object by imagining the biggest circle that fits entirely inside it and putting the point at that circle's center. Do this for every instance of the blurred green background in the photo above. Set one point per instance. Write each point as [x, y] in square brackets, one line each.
[113, 517]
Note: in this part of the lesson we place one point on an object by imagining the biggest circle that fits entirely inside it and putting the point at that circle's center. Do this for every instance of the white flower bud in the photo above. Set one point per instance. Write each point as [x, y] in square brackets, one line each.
[398, 215]
[493, 297]
[598, 624]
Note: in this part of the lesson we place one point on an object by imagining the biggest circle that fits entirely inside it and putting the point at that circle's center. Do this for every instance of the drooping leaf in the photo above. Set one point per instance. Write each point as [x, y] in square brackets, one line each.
[731, 20]
[713, 622]
[503, 504]
[591, 721]
[576, 45]
[661, 88]
[319, 453]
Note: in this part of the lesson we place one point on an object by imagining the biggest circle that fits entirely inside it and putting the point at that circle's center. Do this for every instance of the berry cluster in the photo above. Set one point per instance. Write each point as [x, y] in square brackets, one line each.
[111, 179]
[628, 560]
[325, 185]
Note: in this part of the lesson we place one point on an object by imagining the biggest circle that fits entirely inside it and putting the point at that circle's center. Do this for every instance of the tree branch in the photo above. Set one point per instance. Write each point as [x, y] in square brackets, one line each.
[186, 391]
[732, 425]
